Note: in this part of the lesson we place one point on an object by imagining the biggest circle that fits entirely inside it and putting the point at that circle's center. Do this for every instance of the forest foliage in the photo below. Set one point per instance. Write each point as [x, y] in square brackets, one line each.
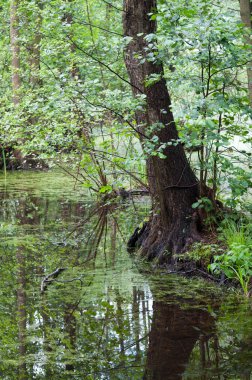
[75, 103]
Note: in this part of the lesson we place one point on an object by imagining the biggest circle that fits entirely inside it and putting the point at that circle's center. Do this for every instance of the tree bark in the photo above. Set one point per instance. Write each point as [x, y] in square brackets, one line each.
[246, 13]
[173, 185]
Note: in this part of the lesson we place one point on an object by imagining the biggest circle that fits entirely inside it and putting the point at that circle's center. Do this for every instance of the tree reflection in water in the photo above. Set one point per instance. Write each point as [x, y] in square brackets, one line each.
[173, 335]
[98, 319]
[21, 312]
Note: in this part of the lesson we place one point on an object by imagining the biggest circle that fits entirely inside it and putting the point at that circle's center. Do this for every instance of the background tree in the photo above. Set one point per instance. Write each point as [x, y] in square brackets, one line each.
[15, 64]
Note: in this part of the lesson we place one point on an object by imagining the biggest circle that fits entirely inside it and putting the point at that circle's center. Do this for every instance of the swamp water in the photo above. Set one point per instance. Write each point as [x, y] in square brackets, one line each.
[100, 318]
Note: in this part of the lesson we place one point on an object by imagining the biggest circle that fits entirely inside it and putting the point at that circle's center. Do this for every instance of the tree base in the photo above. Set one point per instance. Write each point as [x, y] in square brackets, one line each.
[162, 244]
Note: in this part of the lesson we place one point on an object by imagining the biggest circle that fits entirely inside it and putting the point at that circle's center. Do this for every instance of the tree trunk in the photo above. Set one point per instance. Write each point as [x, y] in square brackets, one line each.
[15, 51]
[15, 65]
[246, 13]
[173, 185]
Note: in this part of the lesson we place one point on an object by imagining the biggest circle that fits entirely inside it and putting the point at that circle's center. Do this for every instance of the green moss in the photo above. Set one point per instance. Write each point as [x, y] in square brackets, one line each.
[201, 254]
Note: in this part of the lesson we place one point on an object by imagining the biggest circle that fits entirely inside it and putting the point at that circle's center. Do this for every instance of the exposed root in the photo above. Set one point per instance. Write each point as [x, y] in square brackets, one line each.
[159, 244]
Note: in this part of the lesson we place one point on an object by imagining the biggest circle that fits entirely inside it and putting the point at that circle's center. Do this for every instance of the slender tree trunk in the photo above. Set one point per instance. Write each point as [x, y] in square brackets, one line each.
[15, 65]
[173, 185]
[34, 61]
[15, 50]
[246, 13]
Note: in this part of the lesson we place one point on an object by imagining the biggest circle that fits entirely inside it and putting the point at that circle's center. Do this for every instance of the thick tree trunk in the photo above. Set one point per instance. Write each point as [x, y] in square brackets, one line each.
[246, 13]
[173, 185]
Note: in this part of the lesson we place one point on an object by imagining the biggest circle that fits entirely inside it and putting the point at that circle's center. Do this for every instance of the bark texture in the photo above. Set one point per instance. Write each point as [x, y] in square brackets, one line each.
[173, 185]
[246, 13]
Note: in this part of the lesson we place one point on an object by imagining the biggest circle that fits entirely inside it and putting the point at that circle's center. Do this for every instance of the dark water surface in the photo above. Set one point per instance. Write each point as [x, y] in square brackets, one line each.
[100, 318]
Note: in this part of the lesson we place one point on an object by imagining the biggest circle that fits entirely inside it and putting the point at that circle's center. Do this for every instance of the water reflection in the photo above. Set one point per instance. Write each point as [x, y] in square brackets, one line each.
[173, 336]
[21, 312]
[89, 322]
[100, 318]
